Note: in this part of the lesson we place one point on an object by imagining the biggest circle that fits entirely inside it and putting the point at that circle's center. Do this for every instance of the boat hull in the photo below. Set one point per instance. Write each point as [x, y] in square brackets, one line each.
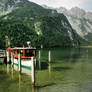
[24, 63]
[26, 66]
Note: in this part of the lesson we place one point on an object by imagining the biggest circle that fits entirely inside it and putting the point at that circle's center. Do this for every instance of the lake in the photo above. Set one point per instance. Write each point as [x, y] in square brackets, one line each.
[70, 70]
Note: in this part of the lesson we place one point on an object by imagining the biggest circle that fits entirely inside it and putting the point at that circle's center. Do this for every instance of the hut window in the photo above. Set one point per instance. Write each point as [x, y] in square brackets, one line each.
[29, 53]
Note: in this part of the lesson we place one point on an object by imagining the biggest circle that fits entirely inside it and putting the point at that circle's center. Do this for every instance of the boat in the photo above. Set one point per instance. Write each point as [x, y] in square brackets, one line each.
[26, 55]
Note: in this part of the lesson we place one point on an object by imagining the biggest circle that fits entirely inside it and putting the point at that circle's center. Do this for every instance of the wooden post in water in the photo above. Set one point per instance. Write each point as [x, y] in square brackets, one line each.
[49, 61]
[19, 62]
[35, 58]
[7, 57]
[39, 54]
[49, 56]
[12, 60]
[33, 72]
[39, 59]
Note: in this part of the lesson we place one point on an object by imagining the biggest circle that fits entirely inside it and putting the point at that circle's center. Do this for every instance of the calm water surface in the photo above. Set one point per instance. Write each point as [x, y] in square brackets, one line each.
[70, 70]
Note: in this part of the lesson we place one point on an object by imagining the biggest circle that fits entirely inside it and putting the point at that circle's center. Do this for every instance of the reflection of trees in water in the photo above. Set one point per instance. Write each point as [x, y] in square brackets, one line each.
[65, 55]
[5, 82]
[79, 55]
[61, 68]
[43, 63]
[71, 55]
[85, 63]
[74, 55]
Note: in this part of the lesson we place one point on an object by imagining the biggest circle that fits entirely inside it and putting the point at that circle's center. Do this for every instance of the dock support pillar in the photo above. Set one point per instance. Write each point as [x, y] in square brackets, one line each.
[39, 60]
[39, 54]
[12, 60]
[49, 56]
[33, 73]
[8, 57]
[19, 62]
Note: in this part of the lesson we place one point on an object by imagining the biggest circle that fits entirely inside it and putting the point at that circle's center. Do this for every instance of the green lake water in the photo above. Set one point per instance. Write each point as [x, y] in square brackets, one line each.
[70, 70]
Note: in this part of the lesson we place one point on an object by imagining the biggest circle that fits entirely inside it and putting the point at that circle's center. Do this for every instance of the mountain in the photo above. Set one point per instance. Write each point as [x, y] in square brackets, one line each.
[6, 6]
[80, 20]
[41, 26]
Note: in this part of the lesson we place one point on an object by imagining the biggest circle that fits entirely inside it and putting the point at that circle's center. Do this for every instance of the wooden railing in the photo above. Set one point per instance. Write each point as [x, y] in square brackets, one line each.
[2, 53]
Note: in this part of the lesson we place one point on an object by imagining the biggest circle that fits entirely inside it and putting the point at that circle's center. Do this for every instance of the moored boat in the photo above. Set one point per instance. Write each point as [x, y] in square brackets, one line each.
[26, 55]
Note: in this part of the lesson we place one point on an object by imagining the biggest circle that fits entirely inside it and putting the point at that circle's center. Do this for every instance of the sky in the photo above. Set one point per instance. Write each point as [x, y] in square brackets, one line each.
[84, 4]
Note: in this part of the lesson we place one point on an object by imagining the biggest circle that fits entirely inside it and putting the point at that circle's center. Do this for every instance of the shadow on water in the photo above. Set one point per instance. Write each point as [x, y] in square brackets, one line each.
[3, 77]
[61, 68]
[1, 63]
[46, 85]
[44, 65]
[2, 72]
[68, 58]
[4, 61]
[73, 57]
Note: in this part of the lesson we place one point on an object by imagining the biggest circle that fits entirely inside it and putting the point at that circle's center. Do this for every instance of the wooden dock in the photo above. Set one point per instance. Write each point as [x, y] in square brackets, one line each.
[3, 54]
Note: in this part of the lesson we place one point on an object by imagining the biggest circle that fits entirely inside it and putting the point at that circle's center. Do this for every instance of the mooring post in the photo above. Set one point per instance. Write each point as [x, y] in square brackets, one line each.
[35, 62]
[33, 72]
[35, 58]
[19, 62]
[39, 60]
[12, 61]
[7, 57]
[49, 56]
[39, 54]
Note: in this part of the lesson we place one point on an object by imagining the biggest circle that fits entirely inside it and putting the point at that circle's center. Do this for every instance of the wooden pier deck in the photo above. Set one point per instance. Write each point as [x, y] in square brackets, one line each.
[2, 53]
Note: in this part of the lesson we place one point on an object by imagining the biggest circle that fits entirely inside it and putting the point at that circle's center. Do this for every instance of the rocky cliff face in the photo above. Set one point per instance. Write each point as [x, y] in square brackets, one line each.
[6, 6]
[80, 20]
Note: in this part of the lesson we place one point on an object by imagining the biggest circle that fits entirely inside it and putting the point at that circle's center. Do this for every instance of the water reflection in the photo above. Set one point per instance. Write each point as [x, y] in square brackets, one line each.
[61, 68]
[49, 67]
[34, 89]
[19, 82]
[39, 64]
[69, 70]
[12, 72]
[39, 59]
[73, 55]
[8, 69]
